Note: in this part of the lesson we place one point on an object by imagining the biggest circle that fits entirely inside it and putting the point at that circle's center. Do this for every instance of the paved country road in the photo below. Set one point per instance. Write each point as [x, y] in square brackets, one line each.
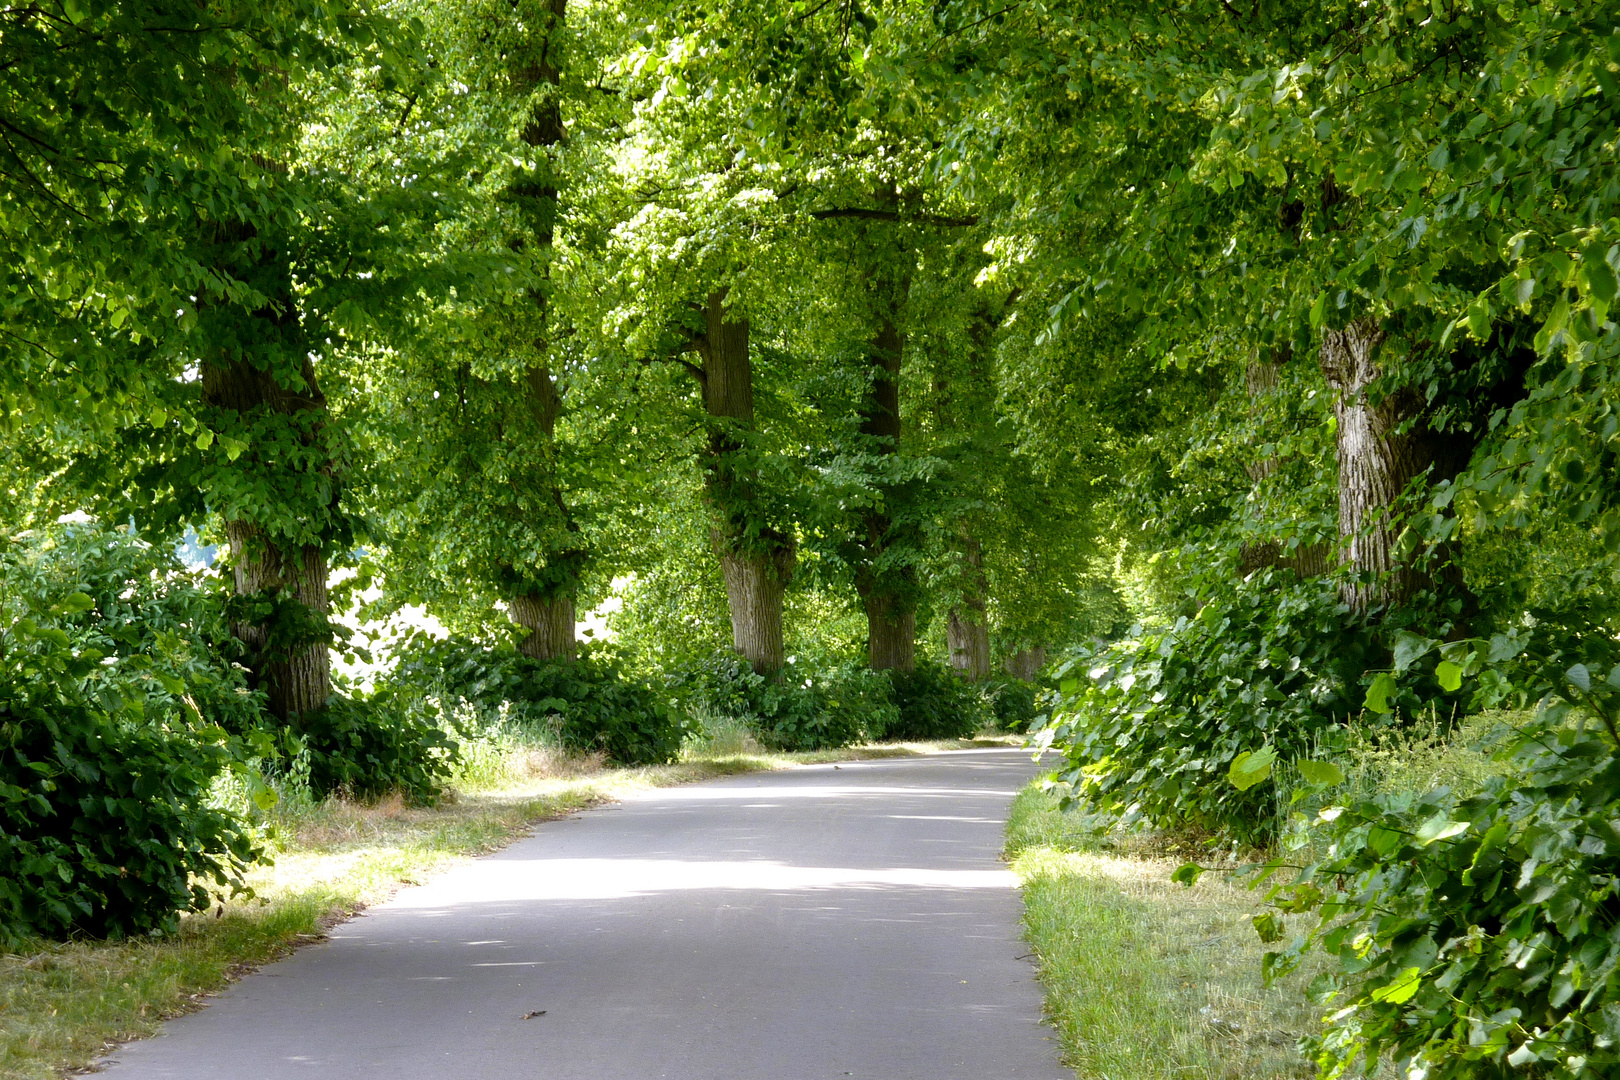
[816, 922]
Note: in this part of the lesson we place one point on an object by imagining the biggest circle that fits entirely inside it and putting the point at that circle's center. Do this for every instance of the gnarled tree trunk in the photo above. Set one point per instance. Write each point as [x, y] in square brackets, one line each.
[891, 632]
[1382, 447]
[757, 560]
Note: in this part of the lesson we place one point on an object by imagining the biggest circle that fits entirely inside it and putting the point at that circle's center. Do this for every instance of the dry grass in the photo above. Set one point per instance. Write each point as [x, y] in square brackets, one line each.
[63, 1005]
[1147, 979]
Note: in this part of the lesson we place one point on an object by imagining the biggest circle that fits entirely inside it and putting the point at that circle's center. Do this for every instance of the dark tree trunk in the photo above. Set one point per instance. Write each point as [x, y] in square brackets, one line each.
[889, 595]
[1382, 447]
[548, 614]
[756, 559]
[967, 630]
[288, 650]
[891, 632]
[1026, 663]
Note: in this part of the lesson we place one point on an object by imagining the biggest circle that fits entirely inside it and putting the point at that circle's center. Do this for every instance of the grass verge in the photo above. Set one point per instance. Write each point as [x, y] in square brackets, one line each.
[1146, 979]
[62, 1005]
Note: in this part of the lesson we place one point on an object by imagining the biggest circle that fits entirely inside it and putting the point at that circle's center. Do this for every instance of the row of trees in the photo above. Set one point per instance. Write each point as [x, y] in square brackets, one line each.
[502, 303]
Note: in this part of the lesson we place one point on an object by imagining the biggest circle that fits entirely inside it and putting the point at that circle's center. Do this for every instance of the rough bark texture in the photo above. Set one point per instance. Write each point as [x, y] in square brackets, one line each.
[891, 629]
[550, 622]
[756, 560]
[1377, 461]
[967, 629]
[295, 675]
[1261, 378]
[1026, 663]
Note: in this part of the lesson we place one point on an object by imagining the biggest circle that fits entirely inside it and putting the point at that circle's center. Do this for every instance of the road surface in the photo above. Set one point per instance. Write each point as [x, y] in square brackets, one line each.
[816, 922]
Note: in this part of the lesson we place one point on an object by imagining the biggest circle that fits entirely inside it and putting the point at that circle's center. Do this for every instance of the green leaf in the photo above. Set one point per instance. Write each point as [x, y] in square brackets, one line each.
[1187, 875]
[1379, 693]
[1410, 647]
[1449, 674]
[1401, 988]
[1249, 768]
[1439, 827]
[1579, 677]
[1320, 773]
[1270, 927]
[205, 439]
[73, 603]
[1318, 311]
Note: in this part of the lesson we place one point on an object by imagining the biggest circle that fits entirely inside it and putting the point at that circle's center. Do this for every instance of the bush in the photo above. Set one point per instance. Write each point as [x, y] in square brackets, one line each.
[934, 702]
[591, 704]
[1012, 703]
[109, 693]
[794, 711]
[1153, 728]
[1472, 933]
[370, 746]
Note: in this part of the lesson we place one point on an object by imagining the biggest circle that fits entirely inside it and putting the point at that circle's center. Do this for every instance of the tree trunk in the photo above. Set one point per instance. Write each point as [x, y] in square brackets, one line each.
[756, 559]
[1026, 663]
[755, 585]
[967, 629]
[1378, 460]
[891, 633]
[288, 648]
[889, 594]
[548, 614]
[550, 622]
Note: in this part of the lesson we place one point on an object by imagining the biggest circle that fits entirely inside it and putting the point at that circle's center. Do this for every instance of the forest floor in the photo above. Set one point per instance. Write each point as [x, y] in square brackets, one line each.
[64, 1004]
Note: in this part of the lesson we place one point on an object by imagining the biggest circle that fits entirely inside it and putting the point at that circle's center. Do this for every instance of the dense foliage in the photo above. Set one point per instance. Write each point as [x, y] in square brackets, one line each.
[107, 665]
[802, 708]
[590, 704]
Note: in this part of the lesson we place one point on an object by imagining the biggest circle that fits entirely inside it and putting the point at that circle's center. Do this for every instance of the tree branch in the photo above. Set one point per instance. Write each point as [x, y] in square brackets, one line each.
[894, 215]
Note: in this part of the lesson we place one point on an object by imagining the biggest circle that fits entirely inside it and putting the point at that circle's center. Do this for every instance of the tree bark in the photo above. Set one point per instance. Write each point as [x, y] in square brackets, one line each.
[288, 652]
[1382, 447]
[550, 622]
[1026, 663]
[757, 560]
[967, 628]
[891, 632]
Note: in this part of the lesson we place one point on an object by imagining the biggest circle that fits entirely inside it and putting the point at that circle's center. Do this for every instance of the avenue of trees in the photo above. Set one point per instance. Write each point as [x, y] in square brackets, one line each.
[1248, 369]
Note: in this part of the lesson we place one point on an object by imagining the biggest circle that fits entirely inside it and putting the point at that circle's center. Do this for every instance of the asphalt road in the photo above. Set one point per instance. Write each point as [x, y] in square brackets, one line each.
[817, 922]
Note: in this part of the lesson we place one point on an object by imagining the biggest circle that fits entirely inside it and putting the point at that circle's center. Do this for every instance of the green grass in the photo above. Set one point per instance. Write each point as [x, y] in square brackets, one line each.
[1146, 979]
[64, 1004]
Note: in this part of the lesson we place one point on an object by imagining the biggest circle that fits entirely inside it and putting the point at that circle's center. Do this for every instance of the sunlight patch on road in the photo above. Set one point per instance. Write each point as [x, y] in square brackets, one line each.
[510, 880]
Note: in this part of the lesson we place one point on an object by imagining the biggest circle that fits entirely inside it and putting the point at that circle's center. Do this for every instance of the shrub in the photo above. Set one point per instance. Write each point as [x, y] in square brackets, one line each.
[370, 746]
[1153, 727]
[1471, 933]
[590, 704]
[934, 702]
[794, 711]
[109, 689]
[1012, 703]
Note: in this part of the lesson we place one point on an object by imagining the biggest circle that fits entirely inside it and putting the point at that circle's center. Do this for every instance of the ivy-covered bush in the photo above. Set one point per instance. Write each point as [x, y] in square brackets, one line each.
[367, 746]
[934, 702]
[590, 703]
[1150, 726]
[111, 697]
